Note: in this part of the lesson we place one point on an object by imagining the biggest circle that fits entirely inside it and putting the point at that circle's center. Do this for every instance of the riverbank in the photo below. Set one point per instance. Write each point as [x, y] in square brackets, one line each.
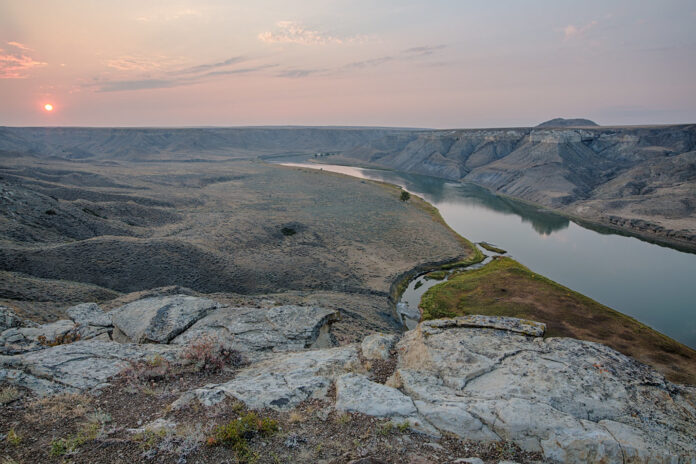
[504, 287]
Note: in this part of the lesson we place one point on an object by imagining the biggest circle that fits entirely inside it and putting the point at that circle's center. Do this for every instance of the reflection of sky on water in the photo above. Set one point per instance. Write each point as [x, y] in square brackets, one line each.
[652, 283]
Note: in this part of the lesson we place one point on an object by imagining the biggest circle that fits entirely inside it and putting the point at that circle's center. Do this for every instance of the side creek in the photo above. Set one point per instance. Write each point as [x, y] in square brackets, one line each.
[407, 307]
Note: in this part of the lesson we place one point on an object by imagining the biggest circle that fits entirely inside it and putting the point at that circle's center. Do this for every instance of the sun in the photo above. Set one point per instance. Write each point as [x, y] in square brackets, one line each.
[48, 107]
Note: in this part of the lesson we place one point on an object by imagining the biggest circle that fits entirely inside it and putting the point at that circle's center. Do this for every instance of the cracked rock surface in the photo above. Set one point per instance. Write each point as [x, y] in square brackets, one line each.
[575, 401]
[90, 362]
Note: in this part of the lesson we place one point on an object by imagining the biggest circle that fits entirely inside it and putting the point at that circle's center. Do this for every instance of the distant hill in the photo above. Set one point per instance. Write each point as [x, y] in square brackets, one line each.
[560, 122]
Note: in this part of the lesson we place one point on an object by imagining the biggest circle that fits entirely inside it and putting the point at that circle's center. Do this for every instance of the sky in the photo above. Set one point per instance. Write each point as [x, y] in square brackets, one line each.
[436, 63]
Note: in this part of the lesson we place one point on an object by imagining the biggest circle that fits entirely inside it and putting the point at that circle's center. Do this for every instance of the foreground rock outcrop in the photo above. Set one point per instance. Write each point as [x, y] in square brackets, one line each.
[490, 378]
[475, 377]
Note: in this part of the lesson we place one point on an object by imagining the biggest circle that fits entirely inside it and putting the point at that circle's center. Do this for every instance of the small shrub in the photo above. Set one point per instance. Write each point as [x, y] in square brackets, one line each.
[61, 446]
[288, 231]
[138, 373]
[405, 196]
[208, 354]
[63, 339]
[50, 212]
[235, 434]
[13, 438]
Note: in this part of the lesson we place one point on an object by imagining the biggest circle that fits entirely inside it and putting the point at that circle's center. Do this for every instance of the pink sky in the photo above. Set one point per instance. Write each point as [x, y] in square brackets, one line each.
[329, 62]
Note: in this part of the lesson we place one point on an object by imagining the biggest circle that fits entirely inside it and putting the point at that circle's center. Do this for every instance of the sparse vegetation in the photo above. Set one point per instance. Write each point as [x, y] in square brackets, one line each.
[13, 438]
[61, 446]
[209, 354]
[140, 373]
[436, 275]
[288, 231]
[62, 339]
[236, 433]
[405, 196]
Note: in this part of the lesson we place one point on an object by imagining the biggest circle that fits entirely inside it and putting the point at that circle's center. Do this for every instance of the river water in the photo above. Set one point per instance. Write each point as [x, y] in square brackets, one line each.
[652, 283]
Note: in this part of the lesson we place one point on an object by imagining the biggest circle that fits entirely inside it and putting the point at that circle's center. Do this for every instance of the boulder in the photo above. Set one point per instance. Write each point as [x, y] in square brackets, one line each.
[89, 314]
[82, 365]
[356, 393]
[256, 330]
[378, 346]
[24, 339]
[572, 400]
[283, 381]
[10, 320]
[159, 319]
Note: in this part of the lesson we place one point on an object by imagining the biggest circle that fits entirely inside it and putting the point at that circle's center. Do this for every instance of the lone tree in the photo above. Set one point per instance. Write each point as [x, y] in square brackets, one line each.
[405, 195]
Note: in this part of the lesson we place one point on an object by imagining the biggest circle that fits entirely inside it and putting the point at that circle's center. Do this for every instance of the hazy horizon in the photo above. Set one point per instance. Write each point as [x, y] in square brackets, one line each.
[410, 64]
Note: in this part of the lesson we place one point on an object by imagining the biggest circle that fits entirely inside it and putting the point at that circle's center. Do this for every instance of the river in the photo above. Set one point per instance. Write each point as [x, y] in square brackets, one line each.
[654, 284]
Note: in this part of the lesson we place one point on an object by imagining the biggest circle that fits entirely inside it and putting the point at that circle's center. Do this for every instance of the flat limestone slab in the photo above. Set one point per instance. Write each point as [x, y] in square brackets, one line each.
[160, 319]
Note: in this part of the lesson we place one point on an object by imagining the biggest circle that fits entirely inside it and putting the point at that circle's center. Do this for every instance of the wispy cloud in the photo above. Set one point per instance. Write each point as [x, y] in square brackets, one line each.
[424, 50]
[572, 31]
[166, 16]
[209, 66]
[291, 32]
[410, 54]
[140, 63]
[16, 62]
[174, 77]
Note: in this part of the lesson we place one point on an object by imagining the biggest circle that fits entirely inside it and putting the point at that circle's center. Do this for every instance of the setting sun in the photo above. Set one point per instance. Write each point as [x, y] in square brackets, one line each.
[48, 107]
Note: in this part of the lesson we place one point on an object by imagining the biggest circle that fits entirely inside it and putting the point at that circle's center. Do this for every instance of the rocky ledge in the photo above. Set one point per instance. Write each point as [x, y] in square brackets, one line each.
[476, 377]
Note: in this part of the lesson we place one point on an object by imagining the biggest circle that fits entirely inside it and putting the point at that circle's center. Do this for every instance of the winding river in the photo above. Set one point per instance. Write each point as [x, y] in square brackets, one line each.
[652, 283]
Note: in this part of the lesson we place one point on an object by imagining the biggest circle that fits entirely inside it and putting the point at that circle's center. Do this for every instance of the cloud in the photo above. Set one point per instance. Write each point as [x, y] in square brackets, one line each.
[424, 50]
[410, 54]
[572, 31]
[208, 66]
[140, 63]
[292, 32]
[170, 16]
[15, 63]
[179, 77]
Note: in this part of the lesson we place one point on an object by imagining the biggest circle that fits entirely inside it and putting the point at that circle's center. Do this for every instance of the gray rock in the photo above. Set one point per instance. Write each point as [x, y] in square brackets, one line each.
[160, 319]
[468, 461]
[10, 320]
[89, 314]
[249, 330]
[282, 382]
[23, 339]
[82, 365]
[378, 346]
[574, 401]
[356, 393]
[509, 324]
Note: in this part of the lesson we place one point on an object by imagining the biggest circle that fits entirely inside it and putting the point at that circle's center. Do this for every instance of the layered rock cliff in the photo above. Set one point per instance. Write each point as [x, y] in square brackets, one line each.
[639, 178]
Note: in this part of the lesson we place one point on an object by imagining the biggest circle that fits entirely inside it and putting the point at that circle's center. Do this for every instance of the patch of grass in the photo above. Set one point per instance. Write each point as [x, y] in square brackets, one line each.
[418, 284]
[504, 287]
[13, 438]
[436, 275]
[390, 427]
[9, 394]
[492, 248]
[237, 433]
[62, 446]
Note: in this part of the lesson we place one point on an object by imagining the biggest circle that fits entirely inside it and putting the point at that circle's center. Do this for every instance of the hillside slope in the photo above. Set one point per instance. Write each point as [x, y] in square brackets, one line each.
[639, 178]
